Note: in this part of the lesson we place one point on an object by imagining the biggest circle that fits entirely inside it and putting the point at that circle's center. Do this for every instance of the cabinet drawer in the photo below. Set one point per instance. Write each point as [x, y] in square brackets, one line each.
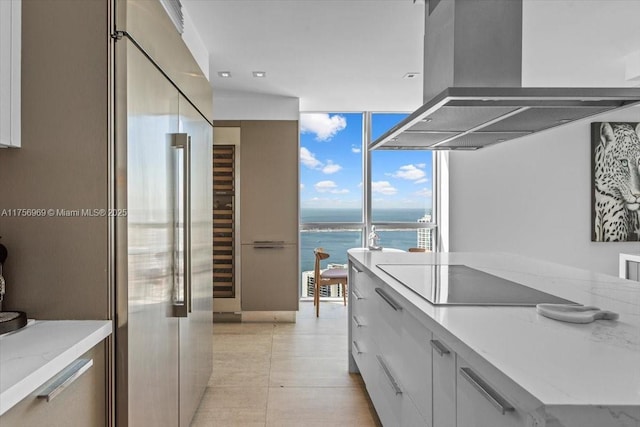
[392, 402]
[444, 384]
[415, 372]
[81, 403]
[361, 306]
[361, 284]
[388, 322]
[269, 278]
[364, 353]
[480, 404]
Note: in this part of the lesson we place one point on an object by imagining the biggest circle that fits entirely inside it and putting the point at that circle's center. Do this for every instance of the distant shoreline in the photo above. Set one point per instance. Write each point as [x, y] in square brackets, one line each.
[337, 242]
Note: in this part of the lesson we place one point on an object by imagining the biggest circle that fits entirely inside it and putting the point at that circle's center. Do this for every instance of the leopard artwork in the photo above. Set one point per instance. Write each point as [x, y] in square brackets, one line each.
[617, 183]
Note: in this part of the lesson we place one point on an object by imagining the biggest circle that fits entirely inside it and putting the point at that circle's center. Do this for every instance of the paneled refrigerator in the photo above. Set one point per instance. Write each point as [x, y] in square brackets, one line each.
[163, 356]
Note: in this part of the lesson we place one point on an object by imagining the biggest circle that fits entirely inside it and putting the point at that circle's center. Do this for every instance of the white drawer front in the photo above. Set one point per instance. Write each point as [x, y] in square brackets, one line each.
[480, 404]
[415, 371]
[392, 402]
[444, 384]
[388, 322]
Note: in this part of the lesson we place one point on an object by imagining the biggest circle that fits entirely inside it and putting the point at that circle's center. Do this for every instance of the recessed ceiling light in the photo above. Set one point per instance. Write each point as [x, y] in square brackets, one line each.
[427, 120]
[411, 75]
[259, 74]
[224, 74]
[563, 121]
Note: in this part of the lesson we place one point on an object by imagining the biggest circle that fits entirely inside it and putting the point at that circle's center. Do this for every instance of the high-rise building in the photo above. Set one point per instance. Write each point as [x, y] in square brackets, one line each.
[424, 235]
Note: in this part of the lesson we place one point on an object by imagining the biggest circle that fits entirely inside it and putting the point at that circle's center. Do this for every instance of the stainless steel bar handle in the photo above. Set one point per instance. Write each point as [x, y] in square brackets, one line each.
[66, 377]
[269, 242]
[439, 347]
[485, 390]
[357, 295]
[357, 270]
[181, 303]
[357, 322]
[187, 225]
[356, 347]
[269, 246]
[389, 300]
[387, 372]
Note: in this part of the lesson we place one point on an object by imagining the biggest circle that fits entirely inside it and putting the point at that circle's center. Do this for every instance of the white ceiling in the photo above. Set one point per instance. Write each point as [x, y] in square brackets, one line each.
[334, 55]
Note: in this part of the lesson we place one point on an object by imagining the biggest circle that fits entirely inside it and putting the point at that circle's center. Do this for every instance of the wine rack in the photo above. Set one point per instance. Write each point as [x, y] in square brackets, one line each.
[223, 221]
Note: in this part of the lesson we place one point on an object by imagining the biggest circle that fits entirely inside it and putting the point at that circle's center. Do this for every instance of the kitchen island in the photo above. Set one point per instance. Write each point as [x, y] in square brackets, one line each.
[447, 365]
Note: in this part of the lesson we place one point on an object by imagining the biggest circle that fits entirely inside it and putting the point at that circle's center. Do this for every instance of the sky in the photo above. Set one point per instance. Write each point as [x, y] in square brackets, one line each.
[331, 165]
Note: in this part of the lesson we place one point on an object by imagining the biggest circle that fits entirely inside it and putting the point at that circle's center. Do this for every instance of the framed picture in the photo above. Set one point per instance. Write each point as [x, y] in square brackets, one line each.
[615, 181]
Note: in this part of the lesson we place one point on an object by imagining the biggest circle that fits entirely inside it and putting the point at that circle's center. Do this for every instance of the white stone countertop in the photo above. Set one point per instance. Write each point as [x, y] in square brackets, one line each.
[560, 364]
[34, 354]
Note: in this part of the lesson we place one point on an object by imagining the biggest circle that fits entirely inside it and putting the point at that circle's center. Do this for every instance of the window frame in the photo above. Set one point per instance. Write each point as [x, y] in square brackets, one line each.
[364, 227]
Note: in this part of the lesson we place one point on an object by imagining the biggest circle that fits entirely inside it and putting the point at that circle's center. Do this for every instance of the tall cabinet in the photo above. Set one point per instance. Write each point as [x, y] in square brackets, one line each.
[269, 215]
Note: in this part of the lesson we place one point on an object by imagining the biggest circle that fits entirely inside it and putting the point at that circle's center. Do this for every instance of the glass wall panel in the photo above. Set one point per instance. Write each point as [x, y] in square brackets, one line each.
[332, 154]
[401, 188]
[405, 239]
[331, 167]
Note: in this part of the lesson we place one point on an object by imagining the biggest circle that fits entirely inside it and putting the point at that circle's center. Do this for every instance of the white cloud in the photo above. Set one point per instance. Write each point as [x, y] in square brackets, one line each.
[302, 186]
[331, 167]
[410, 172]
[329, 187]
[425, 192]
[356, 149]
[324, 126]
[325, 186]
[421, 165]
[383, 187]
[309, 159]
[421, 181]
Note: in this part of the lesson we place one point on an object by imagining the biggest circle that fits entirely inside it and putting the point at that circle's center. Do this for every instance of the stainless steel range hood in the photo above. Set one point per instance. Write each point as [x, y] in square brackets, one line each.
[466, 118]
[472, 87]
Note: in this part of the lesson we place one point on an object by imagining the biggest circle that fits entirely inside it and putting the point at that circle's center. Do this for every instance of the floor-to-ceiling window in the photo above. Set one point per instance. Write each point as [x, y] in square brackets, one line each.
[344, 190]
[331, 189]
[401, 191]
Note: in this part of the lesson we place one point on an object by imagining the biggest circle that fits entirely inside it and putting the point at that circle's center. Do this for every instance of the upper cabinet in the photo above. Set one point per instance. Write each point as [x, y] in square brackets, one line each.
[10, 44]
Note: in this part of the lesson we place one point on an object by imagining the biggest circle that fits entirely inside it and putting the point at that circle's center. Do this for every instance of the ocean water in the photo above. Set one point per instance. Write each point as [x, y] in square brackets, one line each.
[355, 215]
[336, 243]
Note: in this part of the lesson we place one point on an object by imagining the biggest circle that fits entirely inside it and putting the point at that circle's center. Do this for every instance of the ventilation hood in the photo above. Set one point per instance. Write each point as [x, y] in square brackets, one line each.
[472, 87]
[466, 118]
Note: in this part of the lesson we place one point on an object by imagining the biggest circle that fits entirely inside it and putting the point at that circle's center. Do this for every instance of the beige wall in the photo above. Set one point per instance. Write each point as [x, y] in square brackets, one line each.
[57, 267]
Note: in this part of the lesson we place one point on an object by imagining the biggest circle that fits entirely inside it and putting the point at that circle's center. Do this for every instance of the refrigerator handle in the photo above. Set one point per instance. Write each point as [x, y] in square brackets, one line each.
[187, 221]
[182, 224]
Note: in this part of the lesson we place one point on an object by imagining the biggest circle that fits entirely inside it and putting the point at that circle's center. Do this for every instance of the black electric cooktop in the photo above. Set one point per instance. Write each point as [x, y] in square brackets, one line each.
[456, 284]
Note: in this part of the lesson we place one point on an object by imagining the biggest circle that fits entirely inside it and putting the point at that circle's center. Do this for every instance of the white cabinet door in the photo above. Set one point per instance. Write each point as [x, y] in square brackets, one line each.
[10, 43]
[444, 384]
[480, 404]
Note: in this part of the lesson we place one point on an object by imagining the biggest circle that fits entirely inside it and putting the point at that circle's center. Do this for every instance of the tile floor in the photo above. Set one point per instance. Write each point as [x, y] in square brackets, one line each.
[278, 374]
